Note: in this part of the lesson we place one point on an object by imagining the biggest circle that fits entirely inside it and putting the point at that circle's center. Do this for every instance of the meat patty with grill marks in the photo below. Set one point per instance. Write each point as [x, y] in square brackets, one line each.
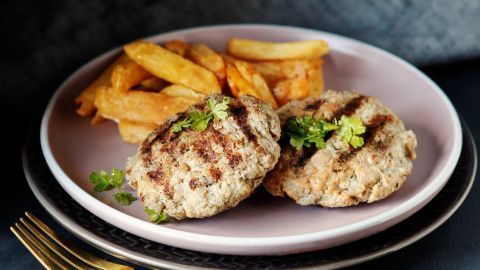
[339, 175]
[198, 174]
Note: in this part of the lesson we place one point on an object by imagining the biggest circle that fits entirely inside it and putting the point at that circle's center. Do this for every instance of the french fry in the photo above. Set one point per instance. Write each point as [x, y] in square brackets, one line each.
[239, 85]
[313, 69]
[172, 67]
[97, 119]
[202, 55]
[176, 46]
[261, 51]
[86, 99]
[168, 80]
[276, 71]
[291, 89]
[128, 74]
[177, 90]
[139, 106]
[316, 85]
[249, 73]
[153, 84]
[271, 71]
[228, 59]
[134, 132]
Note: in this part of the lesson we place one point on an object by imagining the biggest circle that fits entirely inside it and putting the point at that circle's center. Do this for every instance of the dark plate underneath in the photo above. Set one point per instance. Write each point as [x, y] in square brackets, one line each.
[130, 247]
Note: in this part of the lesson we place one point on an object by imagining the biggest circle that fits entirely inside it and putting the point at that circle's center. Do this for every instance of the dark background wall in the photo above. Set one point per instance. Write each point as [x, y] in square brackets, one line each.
[42, 42]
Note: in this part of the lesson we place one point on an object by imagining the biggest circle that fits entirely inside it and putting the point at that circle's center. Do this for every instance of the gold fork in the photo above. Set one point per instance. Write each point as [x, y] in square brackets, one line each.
[59, 254]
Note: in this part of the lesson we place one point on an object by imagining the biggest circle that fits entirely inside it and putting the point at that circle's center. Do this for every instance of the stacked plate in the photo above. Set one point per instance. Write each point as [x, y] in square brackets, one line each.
[261, 226]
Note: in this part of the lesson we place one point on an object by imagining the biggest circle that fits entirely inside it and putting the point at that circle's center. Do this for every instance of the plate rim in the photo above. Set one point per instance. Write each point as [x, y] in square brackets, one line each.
[255, 243]
[125, 254]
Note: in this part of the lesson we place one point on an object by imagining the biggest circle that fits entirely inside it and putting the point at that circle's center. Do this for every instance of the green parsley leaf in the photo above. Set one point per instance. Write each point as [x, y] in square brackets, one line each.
[101, 180]
[155, 217]
[219, 110]
[319, 142]
[297, 142]
[199, 120]
[185, 123]
[124, 198]
[356, 141]
[201, 124]
[350, 128]
[102, 186]
[117, 177]
[305, 131]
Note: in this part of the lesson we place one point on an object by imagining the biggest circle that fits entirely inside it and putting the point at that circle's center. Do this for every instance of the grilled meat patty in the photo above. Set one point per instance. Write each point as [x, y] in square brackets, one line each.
[198, 174]
[339, 175]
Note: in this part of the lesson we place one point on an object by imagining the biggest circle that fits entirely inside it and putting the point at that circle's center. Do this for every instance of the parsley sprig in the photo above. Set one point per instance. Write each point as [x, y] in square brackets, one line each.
[155, 217]
[104, 181]
[307, 131]
[350, 129]
[199, 120]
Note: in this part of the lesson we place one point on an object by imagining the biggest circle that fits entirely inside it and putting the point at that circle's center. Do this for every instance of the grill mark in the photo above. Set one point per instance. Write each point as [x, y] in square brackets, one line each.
[284, 138]
[315, 106]
[158, 176]
[348, 109]
[306, 154]
[172, 145]
[200, 106]
[204, 150]
[146, 149]
[375, 125]
[233, 158]
[161, 134]
[216, 174]
[240, 114]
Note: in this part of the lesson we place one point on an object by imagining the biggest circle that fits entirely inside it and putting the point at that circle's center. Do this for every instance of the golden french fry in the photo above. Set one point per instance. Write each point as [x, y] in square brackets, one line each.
[276, 71]
[291, 89]
[176, 46]
[153, 84]
[97, 119]
[260, 50]
[134, 132]
[229, 59]
[249, 72]
[128, 74]
[239, 85]
[177, 90]
[204, 56]
[316, 84]
[86, 99]
[271, 72]
[139, 106]
[172, 67]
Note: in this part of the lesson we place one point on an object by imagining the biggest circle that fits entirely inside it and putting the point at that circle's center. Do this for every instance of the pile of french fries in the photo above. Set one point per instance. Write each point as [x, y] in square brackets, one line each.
[148, 83]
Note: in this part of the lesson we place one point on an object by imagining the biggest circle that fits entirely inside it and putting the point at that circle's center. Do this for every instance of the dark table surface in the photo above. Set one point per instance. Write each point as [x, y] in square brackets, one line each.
[41, 46]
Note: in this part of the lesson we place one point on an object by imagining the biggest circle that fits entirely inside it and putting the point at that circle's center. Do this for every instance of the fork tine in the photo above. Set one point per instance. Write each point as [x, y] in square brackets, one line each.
[31, 247]
[80, 254]
[50, 255]
[62, 254]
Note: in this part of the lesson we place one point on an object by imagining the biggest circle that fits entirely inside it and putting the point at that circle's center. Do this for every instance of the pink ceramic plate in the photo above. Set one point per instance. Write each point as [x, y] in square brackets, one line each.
[262, 224]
